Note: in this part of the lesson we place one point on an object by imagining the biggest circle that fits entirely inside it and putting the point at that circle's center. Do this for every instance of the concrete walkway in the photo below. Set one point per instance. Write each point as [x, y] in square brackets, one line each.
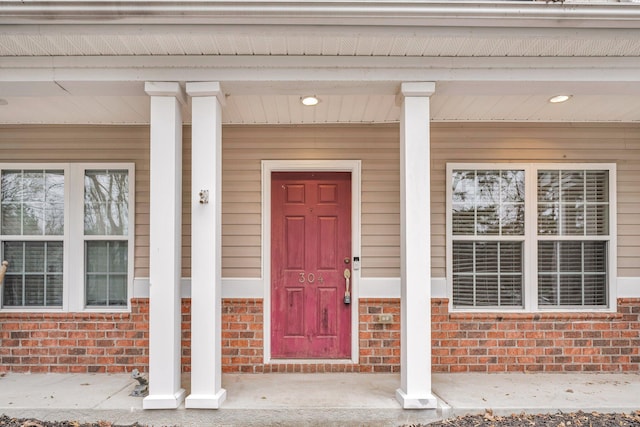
[317, 399]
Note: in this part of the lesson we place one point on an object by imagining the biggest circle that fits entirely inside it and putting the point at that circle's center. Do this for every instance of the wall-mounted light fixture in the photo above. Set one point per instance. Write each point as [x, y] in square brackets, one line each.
[310, 100]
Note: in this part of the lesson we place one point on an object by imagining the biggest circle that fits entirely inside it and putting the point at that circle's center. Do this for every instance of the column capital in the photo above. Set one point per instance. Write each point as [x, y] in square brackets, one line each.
[206, 89]
[166, 89]
[417, 88]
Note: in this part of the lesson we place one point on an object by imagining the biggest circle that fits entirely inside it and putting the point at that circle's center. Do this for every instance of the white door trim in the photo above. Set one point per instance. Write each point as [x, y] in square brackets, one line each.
[269, 166]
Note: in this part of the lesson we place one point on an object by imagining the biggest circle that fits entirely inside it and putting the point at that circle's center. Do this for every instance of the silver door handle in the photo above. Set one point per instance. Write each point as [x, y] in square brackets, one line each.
[347, 294]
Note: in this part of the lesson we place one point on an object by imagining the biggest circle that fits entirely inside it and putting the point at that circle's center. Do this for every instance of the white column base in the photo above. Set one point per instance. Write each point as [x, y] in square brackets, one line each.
[427, 401]
[164, 401]
[206, 401]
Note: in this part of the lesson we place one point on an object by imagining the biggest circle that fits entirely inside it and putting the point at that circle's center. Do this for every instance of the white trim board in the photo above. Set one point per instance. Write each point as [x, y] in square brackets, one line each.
[370, 287]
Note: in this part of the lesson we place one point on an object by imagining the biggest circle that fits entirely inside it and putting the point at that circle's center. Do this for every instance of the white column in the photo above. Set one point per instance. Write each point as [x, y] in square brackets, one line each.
[165, 254]
[415, 247]
[206, 245]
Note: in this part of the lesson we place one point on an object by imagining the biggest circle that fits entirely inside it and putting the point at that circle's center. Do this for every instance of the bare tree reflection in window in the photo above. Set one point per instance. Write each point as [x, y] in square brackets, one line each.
[106, 202]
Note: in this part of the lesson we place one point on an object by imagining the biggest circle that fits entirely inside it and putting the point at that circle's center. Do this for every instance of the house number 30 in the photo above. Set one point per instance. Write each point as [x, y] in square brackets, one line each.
[309, 278]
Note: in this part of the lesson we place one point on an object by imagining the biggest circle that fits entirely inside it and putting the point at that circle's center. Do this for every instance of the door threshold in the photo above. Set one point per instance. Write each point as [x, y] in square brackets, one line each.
[310, 361]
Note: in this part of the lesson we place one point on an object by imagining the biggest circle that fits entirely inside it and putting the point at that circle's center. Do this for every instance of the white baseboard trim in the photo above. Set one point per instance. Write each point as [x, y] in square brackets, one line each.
[628, 287]
[368, 287]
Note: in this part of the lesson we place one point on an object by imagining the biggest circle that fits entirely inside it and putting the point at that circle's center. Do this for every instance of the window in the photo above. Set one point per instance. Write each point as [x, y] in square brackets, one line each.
[106, 224]
[531, 237]
[49, 216]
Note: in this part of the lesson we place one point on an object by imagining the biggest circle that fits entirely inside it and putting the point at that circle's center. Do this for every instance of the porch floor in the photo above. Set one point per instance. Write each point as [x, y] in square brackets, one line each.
[316, 399]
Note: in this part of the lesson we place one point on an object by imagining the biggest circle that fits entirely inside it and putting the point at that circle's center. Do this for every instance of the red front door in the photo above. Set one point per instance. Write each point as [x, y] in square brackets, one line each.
[310, 241]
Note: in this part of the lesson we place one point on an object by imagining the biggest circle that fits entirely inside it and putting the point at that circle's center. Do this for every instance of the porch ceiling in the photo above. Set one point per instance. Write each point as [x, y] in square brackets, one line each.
[502, 66]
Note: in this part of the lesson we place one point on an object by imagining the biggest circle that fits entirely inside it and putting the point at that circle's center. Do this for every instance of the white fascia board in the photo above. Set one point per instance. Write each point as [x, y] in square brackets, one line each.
[336, 69]
[314, 12]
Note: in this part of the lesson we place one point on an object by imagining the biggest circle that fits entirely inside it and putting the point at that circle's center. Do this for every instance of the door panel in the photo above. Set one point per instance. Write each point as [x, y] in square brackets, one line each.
[310, 239]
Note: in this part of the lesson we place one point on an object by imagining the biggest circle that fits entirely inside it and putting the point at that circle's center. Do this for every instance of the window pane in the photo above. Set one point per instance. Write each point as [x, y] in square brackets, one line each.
[581, 206]
[487, 274]
[512, 186]
[106, 276]
[463, 196]
[118, 290]
[512, 219]
[573, 219]
[34, 275]
[572, 186]
[118, 257]
[488, 202]
[595, 290]
[548, 186]
[11, 219]
[571, 289]
[34, 257]
[572, 273]
[12, 291]
[570, 256]
[597, 220]
[595, 257]
[547, 289]
[464, 187]
[547, 257]
[11, 186]
[97, 257]
[486, 257]
[463, 257]
[597, 186]
[487, 290]
[54, 289]
[510, 257]
[511, 290]
[34, 289]
[32, 202]
[106, 197]
[464, 220]
[463, 295]
[97, 290]
[548, 215]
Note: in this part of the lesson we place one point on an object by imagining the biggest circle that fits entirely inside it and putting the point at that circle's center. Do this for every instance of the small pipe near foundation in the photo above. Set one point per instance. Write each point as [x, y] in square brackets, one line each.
[3, 271]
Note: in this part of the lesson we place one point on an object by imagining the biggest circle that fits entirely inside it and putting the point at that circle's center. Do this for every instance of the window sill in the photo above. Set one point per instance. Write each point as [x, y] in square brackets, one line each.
[499, 317]
[66, 315]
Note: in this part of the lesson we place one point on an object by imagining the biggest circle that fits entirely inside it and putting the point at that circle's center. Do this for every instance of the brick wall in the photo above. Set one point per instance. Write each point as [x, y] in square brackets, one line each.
[75, 342]
[518, 342]
[550, 342]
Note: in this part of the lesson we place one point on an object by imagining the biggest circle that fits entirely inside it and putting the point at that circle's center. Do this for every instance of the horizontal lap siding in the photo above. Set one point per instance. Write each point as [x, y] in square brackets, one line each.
[551, 143]
[377, 147]
[73, 143]
[244, 147]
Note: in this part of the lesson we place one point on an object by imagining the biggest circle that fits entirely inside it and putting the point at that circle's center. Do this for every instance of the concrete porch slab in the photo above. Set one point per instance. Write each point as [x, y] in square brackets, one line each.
[316, 399]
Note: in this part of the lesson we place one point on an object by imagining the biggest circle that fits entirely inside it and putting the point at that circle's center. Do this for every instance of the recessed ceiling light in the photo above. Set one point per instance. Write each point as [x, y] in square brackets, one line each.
[559, 98]
[309, 101]
[3, 101]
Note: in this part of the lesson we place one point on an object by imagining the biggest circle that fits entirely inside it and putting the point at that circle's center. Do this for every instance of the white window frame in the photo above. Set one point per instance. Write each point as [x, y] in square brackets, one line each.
[531, 237]
[73, 288]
